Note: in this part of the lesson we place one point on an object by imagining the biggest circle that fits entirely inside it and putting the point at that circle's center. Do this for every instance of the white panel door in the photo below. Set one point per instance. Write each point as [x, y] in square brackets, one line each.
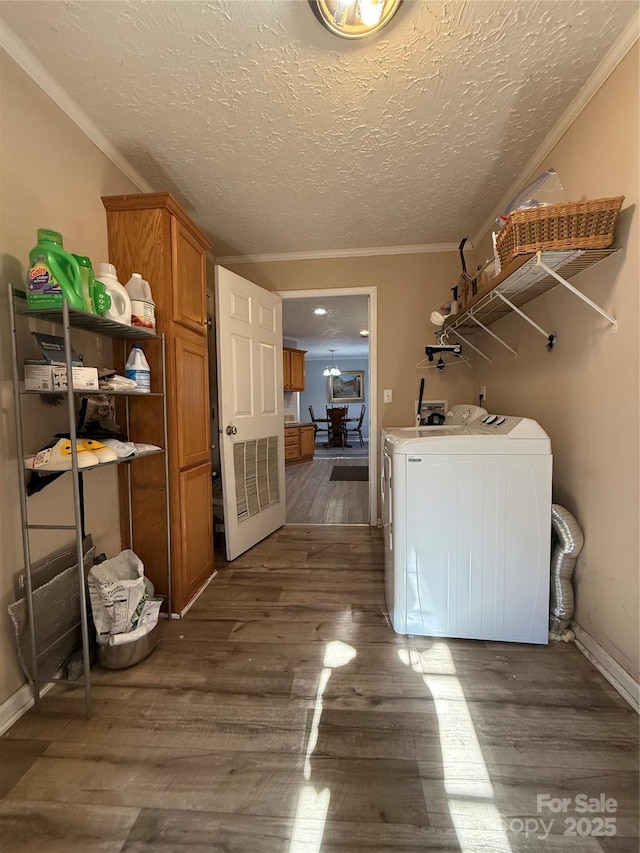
[250, 400]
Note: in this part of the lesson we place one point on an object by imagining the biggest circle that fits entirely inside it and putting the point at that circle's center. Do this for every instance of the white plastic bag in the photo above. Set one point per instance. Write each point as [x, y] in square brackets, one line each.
[544, 190]
[118, 594]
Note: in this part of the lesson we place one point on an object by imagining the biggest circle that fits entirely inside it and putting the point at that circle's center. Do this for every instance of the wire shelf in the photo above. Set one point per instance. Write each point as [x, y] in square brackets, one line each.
[83, 320]
[521, 281]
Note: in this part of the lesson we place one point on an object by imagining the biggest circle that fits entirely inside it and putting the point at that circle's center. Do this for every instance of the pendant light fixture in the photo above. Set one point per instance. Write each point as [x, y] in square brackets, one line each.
[354, 19]
[333, 370]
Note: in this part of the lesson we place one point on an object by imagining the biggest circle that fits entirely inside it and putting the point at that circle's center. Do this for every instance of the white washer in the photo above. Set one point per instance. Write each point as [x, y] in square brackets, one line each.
[467, 526]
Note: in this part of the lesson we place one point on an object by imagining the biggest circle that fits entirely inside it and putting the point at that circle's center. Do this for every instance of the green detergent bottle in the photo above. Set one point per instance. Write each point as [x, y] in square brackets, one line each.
[87, 276]
[94, 293]
[53, 274]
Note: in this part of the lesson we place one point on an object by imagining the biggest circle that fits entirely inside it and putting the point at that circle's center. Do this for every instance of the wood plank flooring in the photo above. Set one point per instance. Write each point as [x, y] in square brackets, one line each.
[312, 498]
[283, 715]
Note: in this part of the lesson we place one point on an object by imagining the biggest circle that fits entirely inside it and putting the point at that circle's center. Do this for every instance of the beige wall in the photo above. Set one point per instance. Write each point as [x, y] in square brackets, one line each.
[585, 392]
[51, 175]
[409, 288]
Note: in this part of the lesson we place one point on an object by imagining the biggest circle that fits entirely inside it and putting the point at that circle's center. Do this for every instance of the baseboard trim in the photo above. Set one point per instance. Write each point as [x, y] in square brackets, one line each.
[616, 675]
[18, 704]
[190, 604]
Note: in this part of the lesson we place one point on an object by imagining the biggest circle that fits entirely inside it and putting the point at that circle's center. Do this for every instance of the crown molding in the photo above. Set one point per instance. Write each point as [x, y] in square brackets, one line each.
[17, 50]
[341, 253]
[604, 70]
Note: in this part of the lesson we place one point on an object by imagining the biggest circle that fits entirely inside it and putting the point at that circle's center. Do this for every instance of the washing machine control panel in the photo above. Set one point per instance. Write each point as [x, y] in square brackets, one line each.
[495, 424]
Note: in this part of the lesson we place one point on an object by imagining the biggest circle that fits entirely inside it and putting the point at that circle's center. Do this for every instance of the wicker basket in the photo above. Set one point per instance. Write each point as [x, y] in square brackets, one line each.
[577, 225]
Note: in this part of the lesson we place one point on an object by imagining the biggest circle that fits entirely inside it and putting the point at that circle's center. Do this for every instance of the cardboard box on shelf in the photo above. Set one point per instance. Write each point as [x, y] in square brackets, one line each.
[50, 373]
[41, 375]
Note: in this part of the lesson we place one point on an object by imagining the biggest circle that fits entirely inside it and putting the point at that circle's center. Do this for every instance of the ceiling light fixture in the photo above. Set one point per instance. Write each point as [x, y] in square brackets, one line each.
[354, 19]
[333, 370]
[364, 333]
[320, 311]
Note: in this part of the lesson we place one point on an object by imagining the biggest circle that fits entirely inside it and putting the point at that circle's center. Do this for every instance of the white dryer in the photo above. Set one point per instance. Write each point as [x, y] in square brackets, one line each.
[467, 525]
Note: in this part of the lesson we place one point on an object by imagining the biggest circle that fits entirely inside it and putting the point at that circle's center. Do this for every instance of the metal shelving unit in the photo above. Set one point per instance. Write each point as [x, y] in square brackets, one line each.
[70, 318]
[524, 279]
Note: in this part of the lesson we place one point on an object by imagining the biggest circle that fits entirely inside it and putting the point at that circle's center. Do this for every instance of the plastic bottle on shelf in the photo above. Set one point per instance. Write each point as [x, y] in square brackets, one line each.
[53, 274]
[137, 368]
[87, 278]
[143, 308]
[120, 310]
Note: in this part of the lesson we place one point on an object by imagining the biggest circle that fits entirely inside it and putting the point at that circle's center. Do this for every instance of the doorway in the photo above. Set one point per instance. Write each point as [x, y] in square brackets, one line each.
[336, 329]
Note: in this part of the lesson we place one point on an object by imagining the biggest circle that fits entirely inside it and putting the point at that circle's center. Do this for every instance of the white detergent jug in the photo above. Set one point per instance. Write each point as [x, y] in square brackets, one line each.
[120, 310]
[143, 308]
[137, 368]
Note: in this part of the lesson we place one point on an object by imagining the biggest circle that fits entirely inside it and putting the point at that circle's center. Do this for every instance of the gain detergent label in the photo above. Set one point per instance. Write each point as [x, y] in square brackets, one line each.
[41, 279]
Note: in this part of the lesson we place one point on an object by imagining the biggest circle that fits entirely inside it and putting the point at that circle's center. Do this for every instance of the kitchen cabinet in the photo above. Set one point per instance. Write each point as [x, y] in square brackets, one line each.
[293, 369]
[299, 443]
[188, 274]
[151, 234]
[307, 442]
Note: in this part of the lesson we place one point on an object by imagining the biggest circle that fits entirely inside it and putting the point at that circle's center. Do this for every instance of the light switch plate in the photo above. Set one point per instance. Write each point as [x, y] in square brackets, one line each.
[388, 395]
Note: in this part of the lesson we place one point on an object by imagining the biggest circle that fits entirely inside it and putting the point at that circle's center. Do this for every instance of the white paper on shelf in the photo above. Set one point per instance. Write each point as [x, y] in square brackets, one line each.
[146, 448]
[122, 448]
[118, 383]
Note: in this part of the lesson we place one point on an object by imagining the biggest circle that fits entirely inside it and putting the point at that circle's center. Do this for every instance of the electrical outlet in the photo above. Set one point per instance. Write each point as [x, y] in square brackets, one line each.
[483, 393]
[388, 395]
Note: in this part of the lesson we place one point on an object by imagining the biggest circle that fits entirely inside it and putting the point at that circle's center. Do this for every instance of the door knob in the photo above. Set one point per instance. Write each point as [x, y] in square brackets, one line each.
[231, 430]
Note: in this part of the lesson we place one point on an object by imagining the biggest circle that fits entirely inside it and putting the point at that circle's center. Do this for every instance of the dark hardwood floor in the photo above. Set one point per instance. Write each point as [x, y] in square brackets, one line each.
[314, 498]
[283, 715]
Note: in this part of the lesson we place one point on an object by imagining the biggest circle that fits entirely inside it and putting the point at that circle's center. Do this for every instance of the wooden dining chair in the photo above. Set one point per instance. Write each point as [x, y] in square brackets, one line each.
[319, 425]
[357, 429]
[337, 431]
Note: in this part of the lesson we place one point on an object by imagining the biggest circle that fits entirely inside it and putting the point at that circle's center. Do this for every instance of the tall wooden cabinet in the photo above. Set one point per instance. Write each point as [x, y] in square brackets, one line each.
[293, 369]
[151, 234]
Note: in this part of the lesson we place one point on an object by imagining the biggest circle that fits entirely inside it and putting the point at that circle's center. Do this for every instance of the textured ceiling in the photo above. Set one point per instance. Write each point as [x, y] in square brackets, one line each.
[338, 329]
[279, 137]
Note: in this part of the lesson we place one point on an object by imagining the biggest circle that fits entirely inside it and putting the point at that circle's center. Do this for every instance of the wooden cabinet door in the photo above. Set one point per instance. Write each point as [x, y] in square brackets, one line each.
[196, 532]
[307, 442]
[297, 370]
[188, 279]
[286, 369]
[191, 404]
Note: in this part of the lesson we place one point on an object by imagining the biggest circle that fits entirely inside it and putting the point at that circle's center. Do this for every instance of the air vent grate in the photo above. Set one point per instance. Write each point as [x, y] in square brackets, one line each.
[256, 475]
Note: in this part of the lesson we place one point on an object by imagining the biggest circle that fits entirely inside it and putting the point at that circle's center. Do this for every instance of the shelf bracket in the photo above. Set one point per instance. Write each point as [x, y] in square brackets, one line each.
[576, 292]
[493, 334]
[467, 344]
[550, 338]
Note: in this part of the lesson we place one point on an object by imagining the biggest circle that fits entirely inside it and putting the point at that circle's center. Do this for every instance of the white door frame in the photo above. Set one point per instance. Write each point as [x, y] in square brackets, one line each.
[372, 293]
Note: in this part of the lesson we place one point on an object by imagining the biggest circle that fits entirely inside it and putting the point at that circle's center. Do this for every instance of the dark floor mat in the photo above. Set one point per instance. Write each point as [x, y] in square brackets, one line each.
[351, 473]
